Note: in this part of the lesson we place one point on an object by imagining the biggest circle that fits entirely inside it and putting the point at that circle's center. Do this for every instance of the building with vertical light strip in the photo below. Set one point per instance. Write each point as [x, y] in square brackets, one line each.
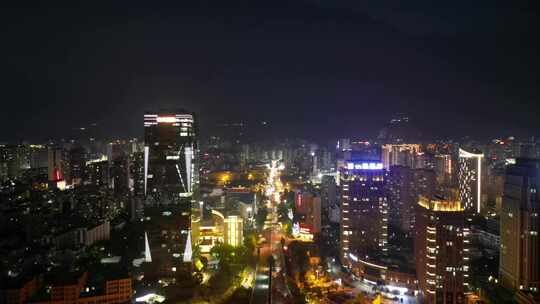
[234, 227]
[170, 143]
[364, 212]
[443, 168]
[470, 180]
[170, 147]
[399, 155]
[56, 167]
[442, 250]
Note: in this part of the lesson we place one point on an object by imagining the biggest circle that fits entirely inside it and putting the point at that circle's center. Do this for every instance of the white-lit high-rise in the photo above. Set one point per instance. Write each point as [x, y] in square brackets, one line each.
[169, 177]
[169, 151]
[470, 180]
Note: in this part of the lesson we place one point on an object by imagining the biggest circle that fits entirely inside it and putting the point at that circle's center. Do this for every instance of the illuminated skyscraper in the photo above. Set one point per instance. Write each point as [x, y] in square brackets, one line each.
[97, 173]
[443, 168]
[136, 173]
[76, 162]
[119, 174]
[470, 180]
[14, 159]
[364, 212]
[402, 197]
[56, 167]
[442, 248]
[404, 187]
[169, 177]
[519, 265]
[169, 150]
[399, 155]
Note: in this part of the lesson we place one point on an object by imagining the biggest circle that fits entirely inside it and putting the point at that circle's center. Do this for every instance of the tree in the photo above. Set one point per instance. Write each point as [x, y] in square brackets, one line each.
[283, 211]
[297, 295]
[298, 253]
[225, 254]
[196, 253]
[229, 256]
[250, 241]
[261, 216]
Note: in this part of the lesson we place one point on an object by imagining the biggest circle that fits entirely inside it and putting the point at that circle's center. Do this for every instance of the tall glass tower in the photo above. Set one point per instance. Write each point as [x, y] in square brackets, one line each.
[169, 150]
[470, 180]
[170, 147]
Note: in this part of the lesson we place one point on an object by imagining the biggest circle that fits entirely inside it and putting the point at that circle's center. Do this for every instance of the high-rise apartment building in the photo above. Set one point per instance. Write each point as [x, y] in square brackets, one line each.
[56, 167]
[13, 160]
[402, 197]
[136, 173]
[97, 172]
[329, 200]
[364, 211]
[471, 180]
[399, 155]
[76, 165]
[444, 168]
[308, 211]
[442, 249]
[425, 182]
[38, 156]
[519, 266]
[119, 174]
[405, 185]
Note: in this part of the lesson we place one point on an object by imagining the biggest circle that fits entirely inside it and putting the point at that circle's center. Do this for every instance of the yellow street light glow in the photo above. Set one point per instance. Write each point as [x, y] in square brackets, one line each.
[225, 178]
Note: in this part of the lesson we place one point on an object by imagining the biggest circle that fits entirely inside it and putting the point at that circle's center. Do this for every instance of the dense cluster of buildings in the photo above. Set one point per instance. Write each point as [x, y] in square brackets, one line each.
[396, 211]
[446, 202]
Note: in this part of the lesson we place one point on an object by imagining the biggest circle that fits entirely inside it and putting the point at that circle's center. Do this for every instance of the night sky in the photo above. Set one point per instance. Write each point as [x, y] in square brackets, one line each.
[307, 67]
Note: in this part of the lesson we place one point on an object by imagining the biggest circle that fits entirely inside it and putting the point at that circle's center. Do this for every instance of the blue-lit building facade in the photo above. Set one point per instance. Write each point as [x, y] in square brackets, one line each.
[364, 212]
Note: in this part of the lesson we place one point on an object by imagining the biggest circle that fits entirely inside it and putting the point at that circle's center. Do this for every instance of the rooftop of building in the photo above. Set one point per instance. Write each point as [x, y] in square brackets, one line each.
[95, 283]
[441, 203]
[470, 152]
[168, 111]
[63, 277]
[99, 276]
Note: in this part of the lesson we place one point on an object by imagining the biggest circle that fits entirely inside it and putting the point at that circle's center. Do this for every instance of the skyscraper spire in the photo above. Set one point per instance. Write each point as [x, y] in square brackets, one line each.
[147, 254]
[189, 169]
[188, 251]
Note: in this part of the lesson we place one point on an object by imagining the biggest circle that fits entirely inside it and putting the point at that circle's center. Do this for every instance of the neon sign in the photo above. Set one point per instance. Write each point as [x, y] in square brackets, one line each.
[365, 166]
[166, 119]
